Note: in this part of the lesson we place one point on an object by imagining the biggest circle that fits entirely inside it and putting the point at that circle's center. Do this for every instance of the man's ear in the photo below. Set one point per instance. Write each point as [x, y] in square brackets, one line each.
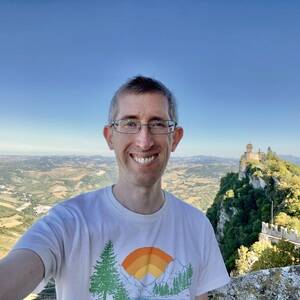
[177, 136]
[108, 133]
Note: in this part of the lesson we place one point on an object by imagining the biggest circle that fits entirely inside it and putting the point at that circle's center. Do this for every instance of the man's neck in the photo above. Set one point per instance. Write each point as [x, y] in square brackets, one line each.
[140, 199]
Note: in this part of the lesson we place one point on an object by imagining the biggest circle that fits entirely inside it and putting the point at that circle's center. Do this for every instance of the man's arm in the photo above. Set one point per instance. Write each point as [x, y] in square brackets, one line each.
[20, 272]
[202, 297]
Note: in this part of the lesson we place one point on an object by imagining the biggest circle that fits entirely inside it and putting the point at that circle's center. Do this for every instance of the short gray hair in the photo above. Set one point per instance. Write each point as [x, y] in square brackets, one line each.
[141, 85]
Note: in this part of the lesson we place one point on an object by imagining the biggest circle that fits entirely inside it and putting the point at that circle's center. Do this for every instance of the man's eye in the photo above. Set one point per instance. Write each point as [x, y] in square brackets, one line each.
[130, 123]
[158, 124]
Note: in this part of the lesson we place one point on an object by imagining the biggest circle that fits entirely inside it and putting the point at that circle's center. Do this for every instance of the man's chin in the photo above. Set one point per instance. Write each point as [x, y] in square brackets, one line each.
[146, 181]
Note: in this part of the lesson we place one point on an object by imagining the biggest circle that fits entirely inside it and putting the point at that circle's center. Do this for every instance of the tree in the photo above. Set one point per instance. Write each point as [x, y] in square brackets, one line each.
[281, 254]
[229, 194]
[242, 263]
[105, 279]
[247, 257]
[287, 221]
[180, 283]
[264, 255]
[175, 289]
[121, 293]
[48, 292]
[190, 273]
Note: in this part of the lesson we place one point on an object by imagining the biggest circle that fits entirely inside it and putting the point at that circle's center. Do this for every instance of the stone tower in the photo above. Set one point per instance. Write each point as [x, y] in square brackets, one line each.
[248, 156]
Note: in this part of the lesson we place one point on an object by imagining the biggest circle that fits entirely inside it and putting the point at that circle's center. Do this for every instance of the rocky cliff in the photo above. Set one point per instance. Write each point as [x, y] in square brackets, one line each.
[278, 283]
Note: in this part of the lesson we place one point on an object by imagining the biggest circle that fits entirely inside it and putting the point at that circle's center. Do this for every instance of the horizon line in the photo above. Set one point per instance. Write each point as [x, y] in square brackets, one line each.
[113, 156]
[106, 156]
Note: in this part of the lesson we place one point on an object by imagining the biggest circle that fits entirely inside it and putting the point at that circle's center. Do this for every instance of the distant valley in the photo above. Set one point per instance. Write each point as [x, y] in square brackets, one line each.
[31, 185]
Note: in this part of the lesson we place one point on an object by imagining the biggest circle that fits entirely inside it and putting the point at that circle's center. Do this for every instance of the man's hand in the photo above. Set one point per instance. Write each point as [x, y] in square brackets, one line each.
[202, 297]
[20, 272]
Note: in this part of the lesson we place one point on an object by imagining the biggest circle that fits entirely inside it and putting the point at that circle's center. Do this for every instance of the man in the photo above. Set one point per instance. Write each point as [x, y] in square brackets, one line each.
[129, 241]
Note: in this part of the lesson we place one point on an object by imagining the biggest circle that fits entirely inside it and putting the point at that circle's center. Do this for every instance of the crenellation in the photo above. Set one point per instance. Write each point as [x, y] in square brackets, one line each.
[274, 232]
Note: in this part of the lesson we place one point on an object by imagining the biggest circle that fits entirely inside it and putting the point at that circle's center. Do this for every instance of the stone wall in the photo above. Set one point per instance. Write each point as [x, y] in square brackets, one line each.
[277, 284]
[273, 233]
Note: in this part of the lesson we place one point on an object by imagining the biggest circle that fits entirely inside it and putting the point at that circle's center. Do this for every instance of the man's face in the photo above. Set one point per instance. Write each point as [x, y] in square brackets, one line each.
[142, 157]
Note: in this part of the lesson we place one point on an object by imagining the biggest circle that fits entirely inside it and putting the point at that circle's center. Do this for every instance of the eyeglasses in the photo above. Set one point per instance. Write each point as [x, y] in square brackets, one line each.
[132, 126]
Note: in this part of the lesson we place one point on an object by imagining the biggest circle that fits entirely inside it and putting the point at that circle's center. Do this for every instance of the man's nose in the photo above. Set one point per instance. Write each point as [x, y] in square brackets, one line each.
[144, 138]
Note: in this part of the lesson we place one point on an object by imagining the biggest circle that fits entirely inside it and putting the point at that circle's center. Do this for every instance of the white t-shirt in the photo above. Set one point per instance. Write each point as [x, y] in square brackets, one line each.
[95, 248]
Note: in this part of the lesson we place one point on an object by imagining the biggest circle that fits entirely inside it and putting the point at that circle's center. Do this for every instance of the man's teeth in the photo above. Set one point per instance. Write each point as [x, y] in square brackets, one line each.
[143, 160]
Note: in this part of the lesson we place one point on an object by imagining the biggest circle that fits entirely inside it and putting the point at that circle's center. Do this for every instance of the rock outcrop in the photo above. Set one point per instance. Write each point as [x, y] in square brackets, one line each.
[223, 218]
[273, 284]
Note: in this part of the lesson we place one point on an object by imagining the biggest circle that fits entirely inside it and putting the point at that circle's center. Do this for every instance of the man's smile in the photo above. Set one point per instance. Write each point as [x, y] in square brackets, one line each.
[143, 160]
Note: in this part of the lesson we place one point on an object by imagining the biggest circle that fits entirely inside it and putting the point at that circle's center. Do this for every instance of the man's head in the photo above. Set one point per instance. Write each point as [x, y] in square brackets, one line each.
[142, 146]
[142, 85]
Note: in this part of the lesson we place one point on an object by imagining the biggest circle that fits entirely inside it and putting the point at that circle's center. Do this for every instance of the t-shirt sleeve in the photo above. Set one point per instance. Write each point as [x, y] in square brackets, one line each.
[212, 273]
[47, 239]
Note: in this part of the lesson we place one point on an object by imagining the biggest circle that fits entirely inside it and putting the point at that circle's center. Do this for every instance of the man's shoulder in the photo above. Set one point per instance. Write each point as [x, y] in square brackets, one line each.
[84, 200]
[184, 208]
[192, 218]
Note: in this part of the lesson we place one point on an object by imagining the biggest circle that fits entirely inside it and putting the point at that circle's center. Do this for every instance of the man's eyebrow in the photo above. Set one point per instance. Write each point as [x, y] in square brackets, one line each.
[128, 117]
[125, 117]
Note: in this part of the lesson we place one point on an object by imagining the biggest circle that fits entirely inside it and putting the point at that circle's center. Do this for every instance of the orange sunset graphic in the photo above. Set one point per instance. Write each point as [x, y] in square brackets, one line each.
[147, 260]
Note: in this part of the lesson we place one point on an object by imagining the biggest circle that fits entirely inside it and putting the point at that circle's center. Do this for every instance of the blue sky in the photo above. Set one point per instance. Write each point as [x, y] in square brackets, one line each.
[234, 67]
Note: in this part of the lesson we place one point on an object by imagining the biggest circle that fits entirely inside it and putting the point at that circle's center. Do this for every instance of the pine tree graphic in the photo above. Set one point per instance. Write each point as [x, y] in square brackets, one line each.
[105, 279]
[121, 293]
[181, 282]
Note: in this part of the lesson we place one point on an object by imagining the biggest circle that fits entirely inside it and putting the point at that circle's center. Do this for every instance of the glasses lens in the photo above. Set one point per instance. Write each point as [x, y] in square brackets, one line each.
[160, 126]
[128, 126]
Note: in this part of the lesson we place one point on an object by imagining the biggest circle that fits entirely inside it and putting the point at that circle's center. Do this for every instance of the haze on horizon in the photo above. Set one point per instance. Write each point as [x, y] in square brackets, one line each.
[233, 66]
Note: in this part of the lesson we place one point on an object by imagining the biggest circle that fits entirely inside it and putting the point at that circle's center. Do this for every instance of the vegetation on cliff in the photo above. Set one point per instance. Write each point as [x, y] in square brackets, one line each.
[264, 255]
[247, 202]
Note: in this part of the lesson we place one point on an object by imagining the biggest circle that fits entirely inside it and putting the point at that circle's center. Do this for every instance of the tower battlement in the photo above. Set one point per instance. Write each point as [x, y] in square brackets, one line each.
[274, 233]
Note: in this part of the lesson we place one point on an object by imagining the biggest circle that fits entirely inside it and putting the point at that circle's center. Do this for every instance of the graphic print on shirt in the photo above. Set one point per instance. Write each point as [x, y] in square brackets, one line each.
[147, 273]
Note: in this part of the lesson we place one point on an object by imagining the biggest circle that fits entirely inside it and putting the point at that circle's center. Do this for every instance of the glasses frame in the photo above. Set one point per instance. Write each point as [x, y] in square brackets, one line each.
[114, 124]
